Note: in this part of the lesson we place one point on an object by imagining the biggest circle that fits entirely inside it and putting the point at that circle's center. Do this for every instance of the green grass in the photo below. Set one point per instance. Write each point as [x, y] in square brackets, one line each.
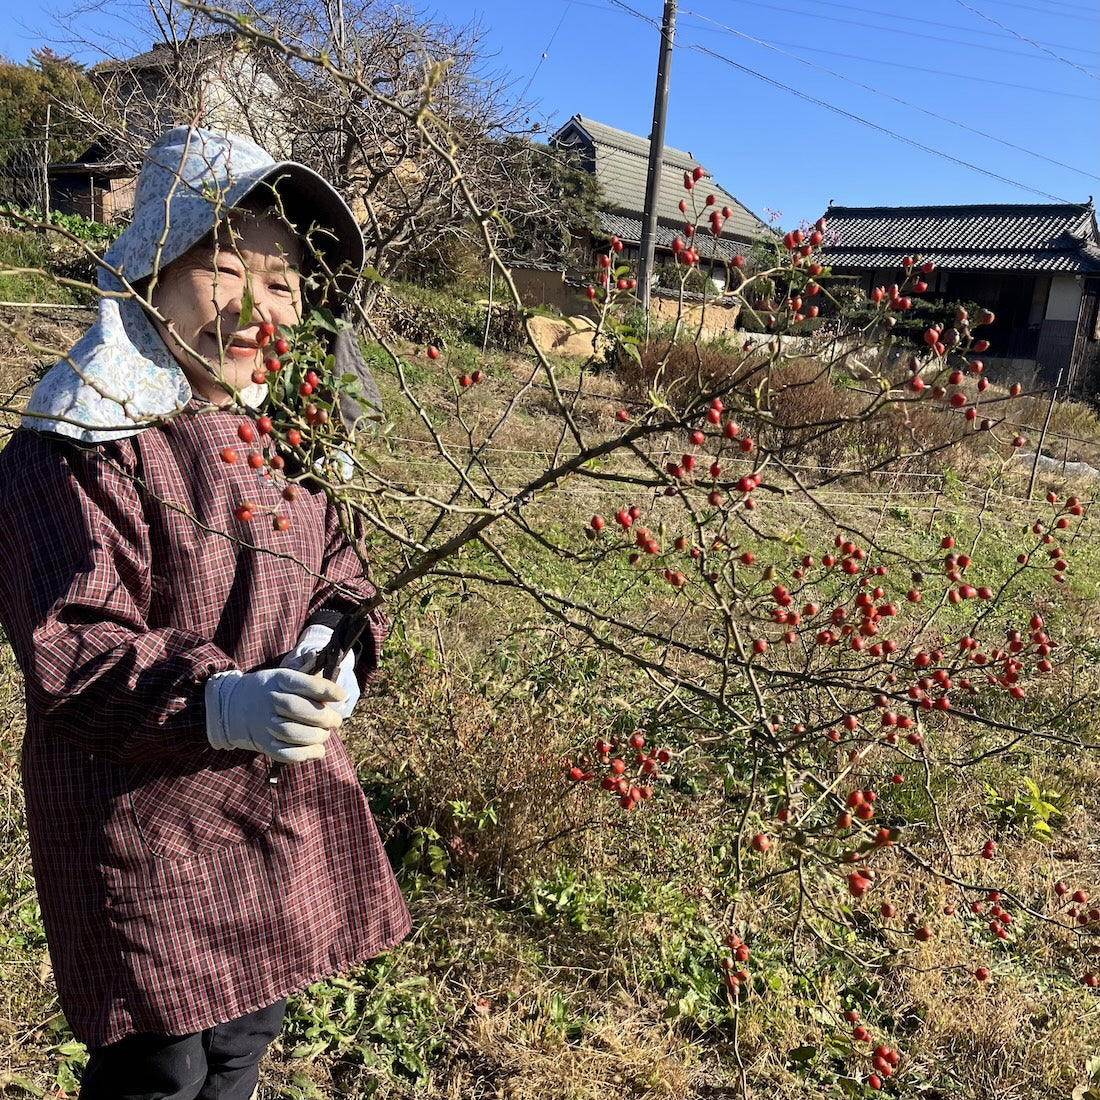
[27, 261]
[23, 251]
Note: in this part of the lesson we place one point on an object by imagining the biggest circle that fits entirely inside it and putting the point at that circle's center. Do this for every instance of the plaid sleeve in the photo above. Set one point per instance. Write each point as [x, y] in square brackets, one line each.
[76, 576]
[345, 587]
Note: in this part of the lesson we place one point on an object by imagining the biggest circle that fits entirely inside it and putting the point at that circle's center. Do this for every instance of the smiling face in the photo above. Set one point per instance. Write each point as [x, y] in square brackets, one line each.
[202, 298]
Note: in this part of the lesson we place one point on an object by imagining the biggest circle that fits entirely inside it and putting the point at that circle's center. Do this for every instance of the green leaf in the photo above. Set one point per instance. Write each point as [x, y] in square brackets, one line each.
[802, 1054]
[437, 859]
[66, 1079]
[22, 1083]
[309, 1050]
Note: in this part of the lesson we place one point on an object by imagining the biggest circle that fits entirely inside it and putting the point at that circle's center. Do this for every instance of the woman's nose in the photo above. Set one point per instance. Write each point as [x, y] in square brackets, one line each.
[259, 305]
[266, 307]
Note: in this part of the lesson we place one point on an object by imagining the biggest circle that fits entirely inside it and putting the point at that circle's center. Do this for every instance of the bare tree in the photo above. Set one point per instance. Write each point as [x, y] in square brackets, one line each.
[409, 200]
[357, 133]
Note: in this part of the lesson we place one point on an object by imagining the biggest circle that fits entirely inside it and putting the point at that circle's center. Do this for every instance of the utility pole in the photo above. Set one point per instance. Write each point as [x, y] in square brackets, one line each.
[656, 149]
[46, 169]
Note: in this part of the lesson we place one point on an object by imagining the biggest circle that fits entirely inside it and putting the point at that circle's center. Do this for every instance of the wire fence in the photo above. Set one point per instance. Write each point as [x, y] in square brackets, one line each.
[901, 482]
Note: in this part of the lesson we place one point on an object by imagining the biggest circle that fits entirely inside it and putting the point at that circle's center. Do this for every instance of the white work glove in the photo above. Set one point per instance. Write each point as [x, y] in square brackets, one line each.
[279, 712]
[304, 656]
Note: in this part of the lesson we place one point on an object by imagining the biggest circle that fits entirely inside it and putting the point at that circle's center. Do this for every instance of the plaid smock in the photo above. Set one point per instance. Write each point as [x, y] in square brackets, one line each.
[179, 888]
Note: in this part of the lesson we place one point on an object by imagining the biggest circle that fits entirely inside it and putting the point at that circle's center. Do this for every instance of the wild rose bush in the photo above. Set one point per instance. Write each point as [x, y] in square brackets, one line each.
[837, 675]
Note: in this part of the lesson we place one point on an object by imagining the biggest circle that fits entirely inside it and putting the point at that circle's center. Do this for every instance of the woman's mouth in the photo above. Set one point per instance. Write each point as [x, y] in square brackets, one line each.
[239, 347]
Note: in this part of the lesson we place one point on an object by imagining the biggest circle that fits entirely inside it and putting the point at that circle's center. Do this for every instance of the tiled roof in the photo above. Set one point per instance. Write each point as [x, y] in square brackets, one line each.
[163, 55]
[1056, 238]
[630, 231]
[621, 163]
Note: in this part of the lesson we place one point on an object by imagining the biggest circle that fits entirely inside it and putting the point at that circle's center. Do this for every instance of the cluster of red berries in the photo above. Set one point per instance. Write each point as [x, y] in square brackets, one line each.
[1072, 509]
[301, 412]
[796, 307]
[858, 626]
[629, 789]
[273, 361]
[1078, 909]
[681, 471]
[643, 540]
[942, 340]
[693, 177]
[465, 381]
[259, 436]
[999, 919]
[732, 965]
[859, 804]
[897, 297]
[623, 279]
[884, 1059]
[802, 245]
[951, 388]
[683, 253]
[953, 392]
[858, 620]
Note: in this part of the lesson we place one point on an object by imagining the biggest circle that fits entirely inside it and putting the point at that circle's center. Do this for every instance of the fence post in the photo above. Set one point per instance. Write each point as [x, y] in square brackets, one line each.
[488, 308]
[46, 169]
[1042, 437]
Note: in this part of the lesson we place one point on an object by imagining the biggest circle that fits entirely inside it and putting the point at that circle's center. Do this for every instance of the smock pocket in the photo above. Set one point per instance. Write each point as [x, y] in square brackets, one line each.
[184, 814]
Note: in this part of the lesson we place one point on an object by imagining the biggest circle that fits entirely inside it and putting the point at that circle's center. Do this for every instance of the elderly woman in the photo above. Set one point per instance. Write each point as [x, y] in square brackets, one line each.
[164, 644]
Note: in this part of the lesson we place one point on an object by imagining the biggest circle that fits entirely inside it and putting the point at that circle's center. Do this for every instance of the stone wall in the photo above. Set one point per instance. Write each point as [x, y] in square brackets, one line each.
[546, 288]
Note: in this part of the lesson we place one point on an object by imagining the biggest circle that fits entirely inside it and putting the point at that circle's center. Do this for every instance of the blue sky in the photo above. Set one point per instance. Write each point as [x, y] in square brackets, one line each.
[790, 104]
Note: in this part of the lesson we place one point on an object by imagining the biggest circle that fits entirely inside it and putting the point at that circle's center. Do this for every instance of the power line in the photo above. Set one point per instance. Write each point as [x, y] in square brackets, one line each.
[890, 30]
[894, 99]
[843, 113]
[1086, 12]
[925, 71]
[637, 14]
[531, 79]
[1023, 38]
[873, 125]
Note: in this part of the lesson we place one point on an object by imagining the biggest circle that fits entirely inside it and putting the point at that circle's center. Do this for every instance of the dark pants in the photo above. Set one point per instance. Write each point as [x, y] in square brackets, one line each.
[221, 1063]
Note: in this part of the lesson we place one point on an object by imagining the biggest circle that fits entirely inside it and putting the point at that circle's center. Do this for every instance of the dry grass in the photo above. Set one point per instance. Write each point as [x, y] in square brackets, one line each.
[682, 369]
[28, 1005]
[820, 416]
[30, 340]
[625, 1053]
